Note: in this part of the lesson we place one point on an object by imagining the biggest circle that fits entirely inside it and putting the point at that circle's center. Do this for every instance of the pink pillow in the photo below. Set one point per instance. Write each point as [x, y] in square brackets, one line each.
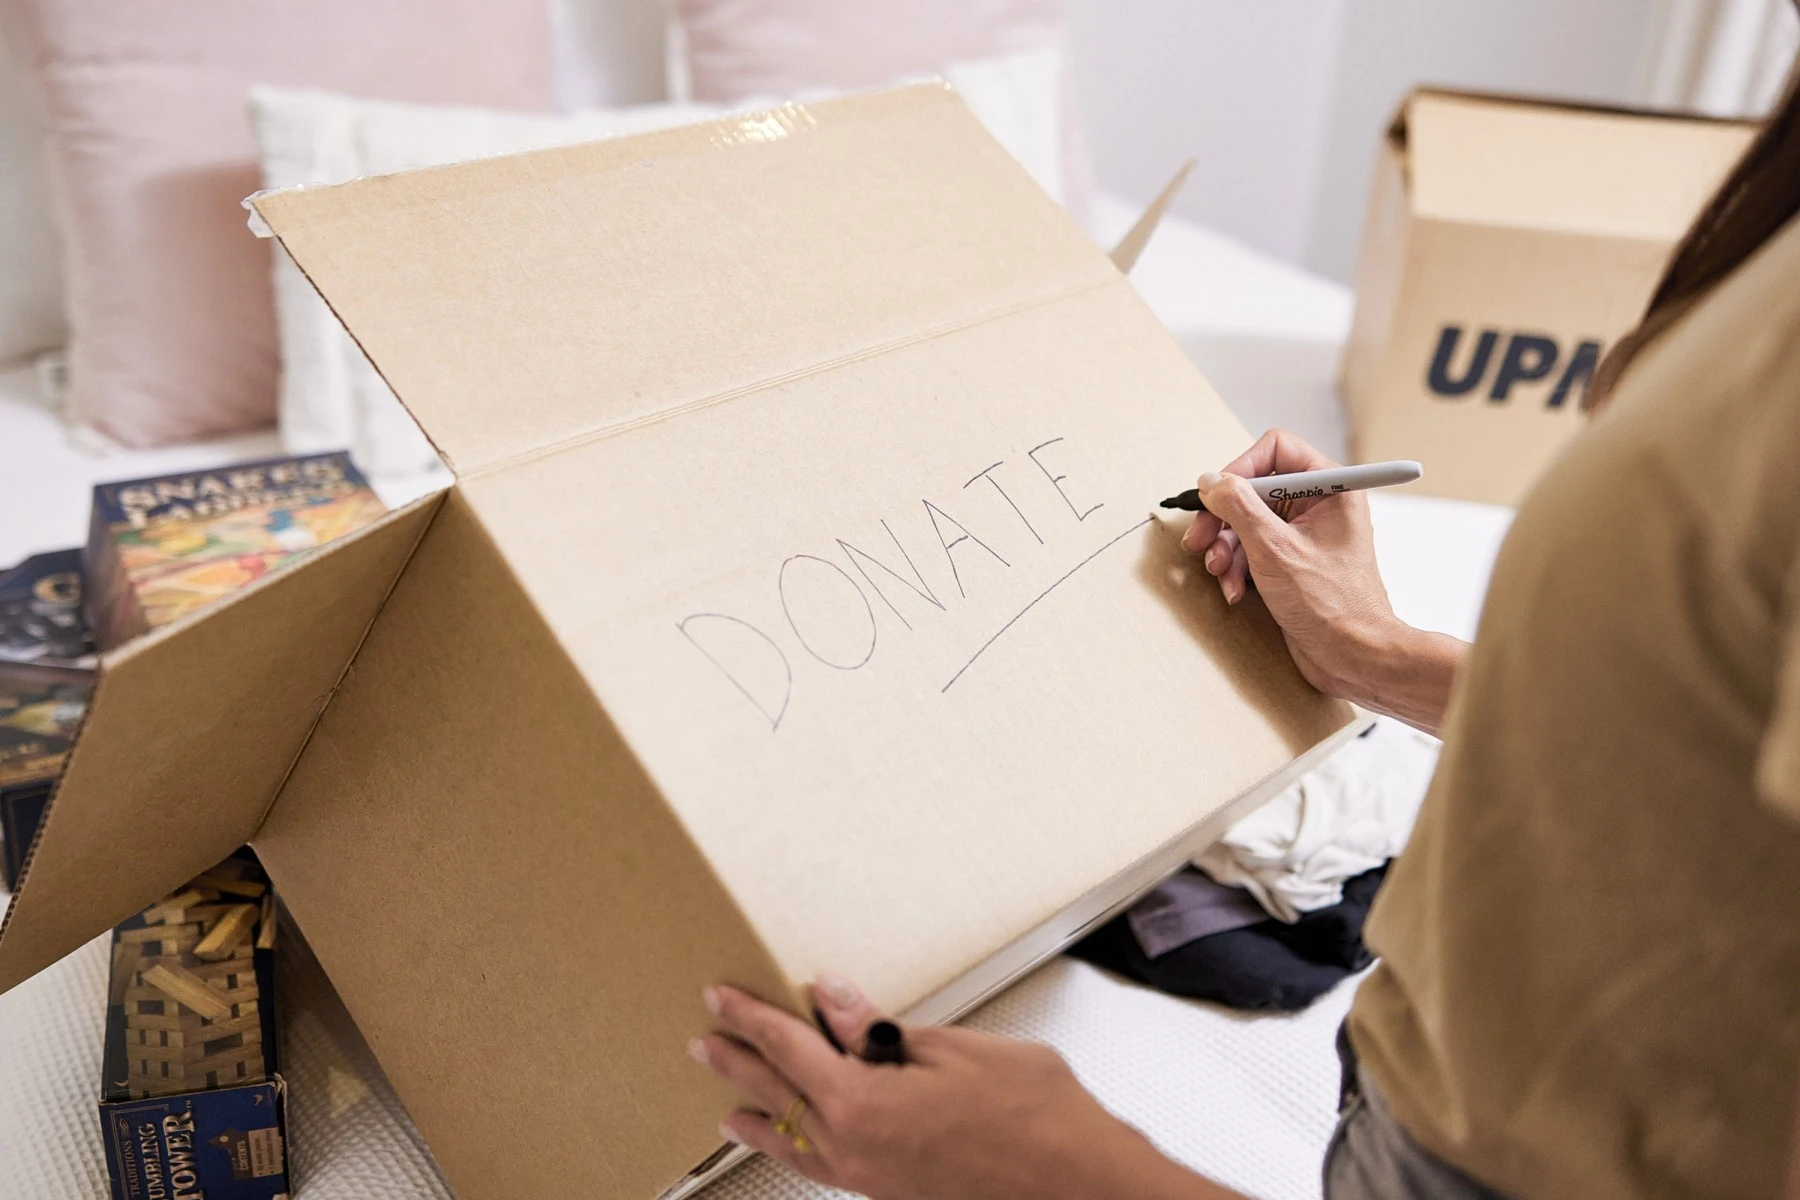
[170, 309]
[741, 49]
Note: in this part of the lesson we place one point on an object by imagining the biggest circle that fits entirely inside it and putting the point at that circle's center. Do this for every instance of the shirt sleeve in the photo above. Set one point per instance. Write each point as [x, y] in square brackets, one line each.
[1778, 760]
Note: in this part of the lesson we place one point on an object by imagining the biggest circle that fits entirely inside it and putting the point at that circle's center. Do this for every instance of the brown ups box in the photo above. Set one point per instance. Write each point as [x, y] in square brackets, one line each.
[1508, 242]
[798, 606]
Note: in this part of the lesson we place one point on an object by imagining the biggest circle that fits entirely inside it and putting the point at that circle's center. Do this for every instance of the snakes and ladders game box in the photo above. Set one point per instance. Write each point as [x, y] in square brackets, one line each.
[164, 547]
[191, 1104]
[943, 674]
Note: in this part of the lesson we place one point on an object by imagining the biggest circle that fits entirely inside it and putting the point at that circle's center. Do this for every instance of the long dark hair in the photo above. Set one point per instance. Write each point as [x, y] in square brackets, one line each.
[1759, 196]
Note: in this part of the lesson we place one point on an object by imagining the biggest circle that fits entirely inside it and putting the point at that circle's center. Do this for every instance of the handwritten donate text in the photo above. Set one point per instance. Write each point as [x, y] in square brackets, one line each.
[829, 602]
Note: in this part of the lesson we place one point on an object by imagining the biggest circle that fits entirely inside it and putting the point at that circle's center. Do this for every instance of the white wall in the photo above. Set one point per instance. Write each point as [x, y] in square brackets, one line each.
[1578, 49]
[1241, 85]
[1283, 101]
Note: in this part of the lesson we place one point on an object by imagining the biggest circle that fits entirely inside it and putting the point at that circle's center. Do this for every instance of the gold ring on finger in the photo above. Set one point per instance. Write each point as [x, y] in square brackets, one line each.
[788, 1125]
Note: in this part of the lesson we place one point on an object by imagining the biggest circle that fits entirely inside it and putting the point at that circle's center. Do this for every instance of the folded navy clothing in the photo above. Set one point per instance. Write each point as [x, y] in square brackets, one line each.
[1271, 966]
[1189, 905]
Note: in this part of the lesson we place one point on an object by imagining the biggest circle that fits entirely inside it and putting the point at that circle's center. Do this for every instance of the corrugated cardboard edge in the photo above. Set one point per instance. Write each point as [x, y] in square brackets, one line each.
[1396, 128]
[260, 227]
[77, 928]
[432, 501]
[1031, 950]
[1125, 255]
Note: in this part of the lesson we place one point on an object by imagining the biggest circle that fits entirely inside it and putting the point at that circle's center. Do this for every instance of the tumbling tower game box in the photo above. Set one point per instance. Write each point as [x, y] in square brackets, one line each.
[191, 1105]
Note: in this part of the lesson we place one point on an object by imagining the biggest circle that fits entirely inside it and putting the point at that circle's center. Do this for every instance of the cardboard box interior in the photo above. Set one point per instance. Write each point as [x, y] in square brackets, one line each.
[799, 605]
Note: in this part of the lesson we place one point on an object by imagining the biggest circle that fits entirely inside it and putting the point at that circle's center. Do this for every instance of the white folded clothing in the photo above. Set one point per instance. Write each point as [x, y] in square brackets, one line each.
[1351, 815]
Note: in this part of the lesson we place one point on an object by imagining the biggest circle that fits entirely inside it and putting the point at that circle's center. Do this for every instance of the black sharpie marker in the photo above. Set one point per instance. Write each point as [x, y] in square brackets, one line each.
[883, 1044]
[1303, 485]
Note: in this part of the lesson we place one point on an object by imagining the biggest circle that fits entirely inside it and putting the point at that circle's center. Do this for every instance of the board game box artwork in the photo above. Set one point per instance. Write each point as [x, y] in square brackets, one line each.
[41, 708]
[161, 548]
[41, 616]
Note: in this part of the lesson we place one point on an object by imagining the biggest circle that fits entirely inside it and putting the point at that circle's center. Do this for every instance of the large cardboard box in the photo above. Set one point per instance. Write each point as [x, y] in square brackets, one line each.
[1509, 242]
[798, 606]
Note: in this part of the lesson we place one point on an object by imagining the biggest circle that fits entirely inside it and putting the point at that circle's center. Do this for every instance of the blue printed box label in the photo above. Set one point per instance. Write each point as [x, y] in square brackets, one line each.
[217, 1145]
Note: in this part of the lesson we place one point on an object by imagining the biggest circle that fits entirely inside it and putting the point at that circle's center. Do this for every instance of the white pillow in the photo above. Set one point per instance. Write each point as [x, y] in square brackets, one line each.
[331, 397]
[31, 308]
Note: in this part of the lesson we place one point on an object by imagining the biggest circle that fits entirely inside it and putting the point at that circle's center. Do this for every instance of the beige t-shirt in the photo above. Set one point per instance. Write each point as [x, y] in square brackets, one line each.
[1590, 982]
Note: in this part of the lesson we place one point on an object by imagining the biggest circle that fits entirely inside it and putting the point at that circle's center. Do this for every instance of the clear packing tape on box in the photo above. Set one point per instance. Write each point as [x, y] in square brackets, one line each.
[798, 606]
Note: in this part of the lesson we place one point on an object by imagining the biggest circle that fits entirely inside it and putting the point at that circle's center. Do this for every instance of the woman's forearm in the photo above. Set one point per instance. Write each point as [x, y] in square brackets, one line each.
[1136, 1168]
[1407, 674]
[1178, 1183]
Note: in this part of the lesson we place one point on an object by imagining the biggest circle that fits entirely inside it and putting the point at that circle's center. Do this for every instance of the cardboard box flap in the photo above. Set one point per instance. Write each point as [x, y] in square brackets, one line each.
[523, 302]
[502, 898]
[190, 733]
[1569, 168]
[1125, 254]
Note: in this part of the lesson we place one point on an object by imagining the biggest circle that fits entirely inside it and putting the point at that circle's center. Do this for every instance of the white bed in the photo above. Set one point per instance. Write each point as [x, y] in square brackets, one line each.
[1248, 1100]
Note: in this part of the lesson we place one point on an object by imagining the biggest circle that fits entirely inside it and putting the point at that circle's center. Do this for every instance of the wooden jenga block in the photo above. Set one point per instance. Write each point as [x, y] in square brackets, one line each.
[163, 939]
[229, 932]
[265, 933]
[220, 994]
[125, 959]
[249, 1024]
[207, 915]
[188, 990]
[161, 1077]
[171, 910]
[187, 931]
[230, 1066]
[182, 1018]
[158, 1078]
[230, 886]
[192, 1045]
[161, 933]
[197, 1051]
[226, 969]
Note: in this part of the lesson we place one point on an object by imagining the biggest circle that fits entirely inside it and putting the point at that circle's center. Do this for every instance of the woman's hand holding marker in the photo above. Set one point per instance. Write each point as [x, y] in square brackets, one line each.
[1317, 573]
[968, 1116]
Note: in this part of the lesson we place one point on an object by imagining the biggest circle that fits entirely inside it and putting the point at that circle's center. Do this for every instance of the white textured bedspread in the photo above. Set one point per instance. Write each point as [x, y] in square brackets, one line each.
[1248, 1100]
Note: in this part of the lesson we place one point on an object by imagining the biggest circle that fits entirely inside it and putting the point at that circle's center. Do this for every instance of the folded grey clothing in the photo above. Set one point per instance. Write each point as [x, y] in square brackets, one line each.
[1187, 906]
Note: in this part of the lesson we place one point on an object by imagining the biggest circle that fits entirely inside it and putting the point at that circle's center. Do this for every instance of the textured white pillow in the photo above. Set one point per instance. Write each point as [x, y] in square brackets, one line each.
[331, 397]
[31, 308]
